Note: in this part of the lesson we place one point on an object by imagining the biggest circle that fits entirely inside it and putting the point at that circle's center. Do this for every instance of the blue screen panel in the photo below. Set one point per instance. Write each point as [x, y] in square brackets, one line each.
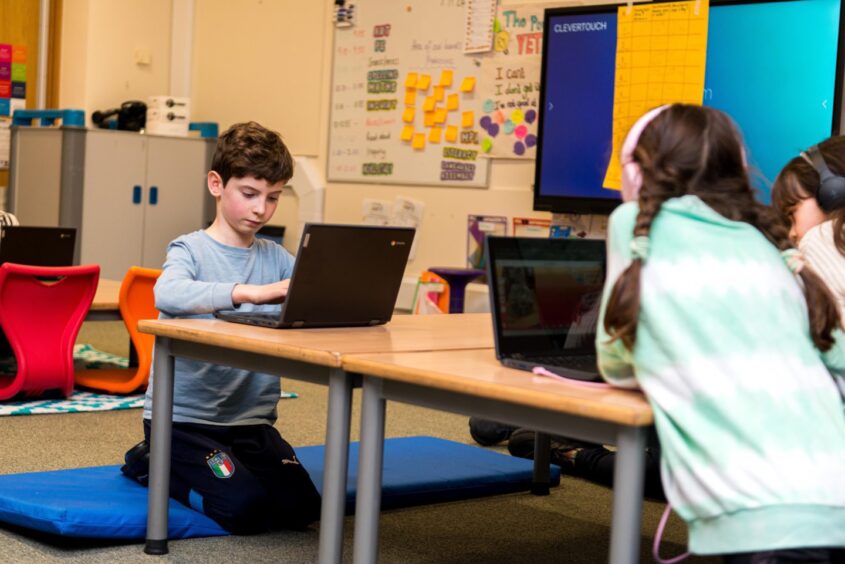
[770, 65]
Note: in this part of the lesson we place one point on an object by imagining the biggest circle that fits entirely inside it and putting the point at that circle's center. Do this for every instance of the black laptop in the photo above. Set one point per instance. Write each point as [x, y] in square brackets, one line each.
[345, 275]
[545, 296]
[37, 246]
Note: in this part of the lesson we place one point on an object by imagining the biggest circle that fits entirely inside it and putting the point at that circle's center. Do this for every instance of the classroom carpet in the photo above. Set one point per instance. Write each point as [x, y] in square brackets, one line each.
[99, 502]
[84, 357]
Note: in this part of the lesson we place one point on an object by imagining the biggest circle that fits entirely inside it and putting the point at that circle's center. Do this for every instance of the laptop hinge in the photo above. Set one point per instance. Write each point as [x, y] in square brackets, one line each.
[296, 324]
[375, 321]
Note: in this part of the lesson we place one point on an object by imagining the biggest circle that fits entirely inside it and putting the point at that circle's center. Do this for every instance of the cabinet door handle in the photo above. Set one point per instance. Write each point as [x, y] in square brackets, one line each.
[136, 194]
[153, 195]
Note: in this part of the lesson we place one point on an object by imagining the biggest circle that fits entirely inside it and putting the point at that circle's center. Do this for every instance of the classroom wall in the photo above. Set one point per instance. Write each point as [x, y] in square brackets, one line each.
[100, 39]
[270, 60]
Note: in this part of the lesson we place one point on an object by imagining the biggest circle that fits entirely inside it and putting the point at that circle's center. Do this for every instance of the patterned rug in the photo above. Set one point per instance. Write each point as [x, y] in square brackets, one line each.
[84, 357]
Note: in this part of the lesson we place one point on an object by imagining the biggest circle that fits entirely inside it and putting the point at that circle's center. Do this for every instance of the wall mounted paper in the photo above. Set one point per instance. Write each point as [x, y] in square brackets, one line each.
[661, 50]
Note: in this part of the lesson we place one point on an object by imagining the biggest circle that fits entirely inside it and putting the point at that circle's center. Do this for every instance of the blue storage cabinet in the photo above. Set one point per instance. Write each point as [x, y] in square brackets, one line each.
[128, 194]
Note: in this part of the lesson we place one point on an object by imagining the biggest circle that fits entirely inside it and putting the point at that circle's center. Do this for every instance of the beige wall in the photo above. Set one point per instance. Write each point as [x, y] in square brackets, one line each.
[261, 60]
[99, 41]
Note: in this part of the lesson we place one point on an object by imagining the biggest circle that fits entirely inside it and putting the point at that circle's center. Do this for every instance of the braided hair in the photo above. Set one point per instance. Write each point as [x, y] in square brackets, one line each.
[696, 150]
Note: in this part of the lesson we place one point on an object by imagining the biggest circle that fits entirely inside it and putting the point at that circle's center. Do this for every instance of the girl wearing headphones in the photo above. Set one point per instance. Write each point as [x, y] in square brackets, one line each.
[707, 309]
[809, 195]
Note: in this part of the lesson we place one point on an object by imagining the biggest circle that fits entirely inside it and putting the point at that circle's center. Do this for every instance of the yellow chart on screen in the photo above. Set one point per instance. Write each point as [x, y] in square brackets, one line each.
[660, 58]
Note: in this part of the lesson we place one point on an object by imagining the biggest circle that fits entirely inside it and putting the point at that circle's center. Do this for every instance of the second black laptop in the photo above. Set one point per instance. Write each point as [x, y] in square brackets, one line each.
[545, 296]
[344, 275]
[37, 246]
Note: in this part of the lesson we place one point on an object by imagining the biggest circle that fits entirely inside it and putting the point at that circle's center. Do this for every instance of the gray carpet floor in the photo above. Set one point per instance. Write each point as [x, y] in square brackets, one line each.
[570, 525]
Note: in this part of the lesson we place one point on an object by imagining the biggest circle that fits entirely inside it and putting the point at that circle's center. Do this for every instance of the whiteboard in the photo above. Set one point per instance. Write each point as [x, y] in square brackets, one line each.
[388, 71]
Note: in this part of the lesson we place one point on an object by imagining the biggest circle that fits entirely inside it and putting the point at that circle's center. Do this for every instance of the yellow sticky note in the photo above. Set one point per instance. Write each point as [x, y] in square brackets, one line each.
[429, 103]
[468, 84]
[408, 115]
[407, 133]
[446, 78]
[452, 102]
[439, 93]
[451, 134]
[434, 135]
[467, 119]
[411, 80]
[419, 141]
[410, 97]
[428, 119]
[423, 81]
[440, 115]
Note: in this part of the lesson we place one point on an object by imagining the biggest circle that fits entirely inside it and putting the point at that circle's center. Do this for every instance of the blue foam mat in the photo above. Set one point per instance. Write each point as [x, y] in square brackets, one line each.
[100, 502]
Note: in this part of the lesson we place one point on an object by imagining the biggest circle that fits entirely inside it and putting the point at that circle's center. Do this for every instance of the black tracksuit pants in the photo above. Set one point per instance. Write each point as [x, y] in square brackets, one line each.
[247, 478]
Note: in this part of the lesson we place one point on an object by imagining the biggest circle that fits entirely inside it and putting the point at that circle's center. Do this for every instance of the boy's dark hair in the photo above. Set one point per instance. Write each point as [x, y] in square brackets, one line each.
[698, 151]
[799, 180]
[249, 149]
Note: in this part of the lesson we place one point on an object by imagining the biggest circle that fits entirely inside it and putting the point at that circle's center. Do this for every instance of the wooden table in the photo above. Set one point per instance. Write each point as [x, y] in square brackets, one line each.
[312, 355]
[473, 382]
[105, 304]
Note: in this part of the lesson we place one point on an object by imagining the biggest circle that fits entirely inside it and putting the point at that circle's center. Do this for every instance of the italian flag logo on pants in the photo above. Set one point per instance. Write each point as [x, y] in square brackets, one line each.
[220, 464]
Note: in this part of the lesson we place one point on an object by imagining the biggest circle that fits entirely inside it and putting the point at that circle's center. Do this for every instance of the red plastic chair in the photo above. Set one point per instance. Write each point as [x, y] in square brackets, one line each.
[41, 319]
[136, 302]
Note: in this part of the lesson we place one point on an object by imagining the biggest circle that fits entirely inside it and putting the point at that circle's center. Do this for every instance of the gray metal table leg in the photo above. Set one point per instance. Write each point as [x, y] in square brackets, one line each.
[370, 458]
[335, 474]
[628, 483]
[542, 446]
[162, 422]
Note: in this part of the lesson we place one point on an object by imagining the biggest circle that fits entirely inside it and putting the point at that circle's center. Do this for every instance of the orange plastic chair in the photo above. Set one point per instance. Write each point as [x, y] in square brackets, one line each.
[136, 302]
[41, 311]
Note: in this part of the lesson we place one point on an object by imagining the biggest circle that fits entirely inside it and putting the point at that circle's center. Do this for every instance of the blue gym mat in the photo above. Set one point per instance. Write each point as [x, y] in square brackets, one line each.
[100, 502]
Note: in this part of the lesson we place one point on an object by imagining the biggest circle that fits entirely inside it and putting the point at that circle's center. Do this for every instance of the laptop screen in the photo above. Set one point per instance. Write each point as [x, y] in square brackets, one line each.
[37, 246]
[545, 294]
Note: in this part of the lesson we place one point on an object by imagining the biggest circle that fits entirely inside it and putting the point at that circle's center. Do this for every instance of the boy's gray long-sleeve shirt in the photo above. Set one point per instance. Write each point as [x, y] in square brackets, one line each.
[198, 278]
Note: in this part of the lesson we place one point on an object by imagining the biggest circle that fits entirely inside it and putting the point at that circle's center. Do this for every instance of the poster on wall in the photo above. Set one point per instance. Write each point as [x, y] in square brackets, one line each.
[12, 78]
[509, 84]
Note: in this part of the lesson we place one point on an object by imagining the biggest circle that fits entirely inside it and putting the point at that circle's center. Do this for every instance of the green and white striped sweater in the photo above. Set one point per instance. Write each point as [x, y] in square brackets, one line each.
[751, 424]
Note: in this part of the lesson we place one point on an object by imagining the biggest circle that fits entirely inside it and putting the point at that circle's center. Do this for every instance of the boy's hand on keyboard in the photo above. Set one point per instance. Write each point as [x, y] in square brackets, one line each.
[274, 293]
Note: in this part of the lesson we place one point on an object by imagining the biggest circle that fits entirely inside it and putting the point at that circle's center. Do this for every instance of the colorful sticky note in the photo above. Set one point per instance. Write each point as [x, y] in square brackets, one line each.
[5, 89]
[446, 78]
[18, 89]
[429, 103]
[452, 102]
[428, 119]
[5, 52]
[410, 97]
[451, 133]
[5, 107]
[467, 119]
[418, 141]
[439, 93]
[423, 81]
[411, 80]
[434, 135]
[407, 133]
[468, 84]
[18, 53]
[18, 72]
[440, 115]
[408, 115]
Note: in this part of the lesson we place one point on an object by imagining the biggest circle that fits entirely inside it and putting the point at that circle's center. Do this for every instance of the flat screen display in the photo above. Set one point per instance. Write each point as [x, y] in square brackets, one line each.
[774, 66]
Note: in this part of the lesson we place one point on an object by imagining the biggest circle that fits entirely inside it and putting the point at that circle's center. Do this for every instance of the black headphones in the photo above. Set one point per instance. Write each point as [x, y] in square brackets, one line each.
[831, 192]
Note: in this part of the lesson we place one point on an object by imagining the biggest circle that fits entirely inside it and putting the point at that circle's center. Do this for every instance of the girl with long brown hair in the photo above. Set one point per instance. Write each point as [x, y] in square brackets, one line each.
[710, 309]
